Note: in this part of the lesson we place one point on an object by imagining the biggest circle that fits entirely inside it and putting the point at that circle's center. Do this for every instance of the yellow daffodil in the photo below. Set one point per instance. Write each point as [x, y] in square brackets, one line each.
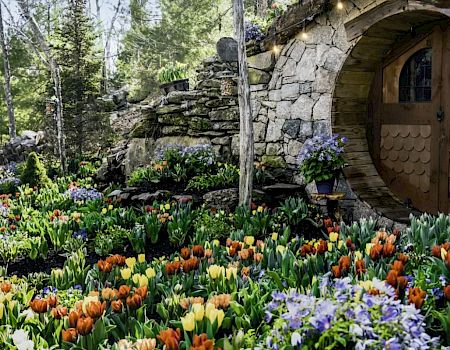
[104, 211]
[334, 236]
[150, 272]
[125, 273]
[340, 243]
[281, 249]
[274, 236]
[249, 240]
[188, 322]
[167, 206]
[141, 258]
[368, 248]
[443, 253]
[231, 271]
[130, 262]
[199, 311]
[110, 207]
[215, 271]
[330, 246]
[358, 255]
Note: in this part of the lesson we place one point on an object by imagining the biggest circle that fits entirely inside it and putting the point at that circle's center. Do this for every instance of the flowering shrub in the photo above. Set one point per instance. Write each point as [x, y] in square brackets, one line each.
[345, 315]
[84, 194]
[253, 31]
[321, 157]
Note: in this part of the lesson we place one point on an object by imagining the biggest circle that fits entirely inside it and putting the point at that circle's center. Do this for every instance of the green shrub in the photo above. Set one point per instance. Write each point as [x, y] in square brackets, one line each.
[34, 173]
[227, 176]
[142, 175]
[113, 238]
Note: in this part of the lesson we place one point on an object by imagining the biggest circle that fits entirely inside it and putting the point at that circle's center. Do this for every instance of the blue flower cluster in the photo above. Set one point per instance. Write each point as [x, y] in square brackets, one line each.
[253, 32]
[10, 179]
[82, 234]
[360, 319]
[84, 194]
[322, 147]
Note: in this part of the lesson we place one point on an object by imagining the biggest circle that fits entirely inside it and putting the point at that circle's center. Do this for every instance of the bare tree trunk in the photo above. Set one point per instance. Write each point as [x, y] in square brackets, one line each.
[8, 95]
[246, 153]
[261, 8]
[56, 77]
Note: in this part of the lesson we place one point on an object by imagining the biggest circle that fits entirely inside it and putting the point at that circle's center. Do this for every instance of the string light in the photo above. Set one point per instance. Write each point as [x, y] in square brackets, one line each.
[276, 49]
[304, 35]
[340, 5]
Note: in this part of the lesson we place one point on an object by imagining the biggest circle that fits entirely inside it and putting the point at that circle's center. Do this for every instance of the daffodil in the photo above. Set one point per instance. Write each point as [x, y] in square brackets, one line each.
[334, 236]
[125, 273]
[141, 258]
[188, 322]
[130, 262]
[199, 311]
[150, 272]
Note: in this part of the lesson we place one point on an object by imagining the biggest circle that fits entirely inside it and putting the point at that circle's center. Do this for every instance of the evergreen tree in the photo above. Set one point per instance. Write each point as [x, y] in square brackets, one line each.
[80, 63]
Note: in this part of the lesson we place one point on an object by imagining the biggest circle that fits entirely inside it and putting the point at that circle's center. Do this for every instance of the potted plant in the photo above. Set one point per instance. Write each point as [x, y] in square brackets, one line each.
[173, 78]
[321, 159]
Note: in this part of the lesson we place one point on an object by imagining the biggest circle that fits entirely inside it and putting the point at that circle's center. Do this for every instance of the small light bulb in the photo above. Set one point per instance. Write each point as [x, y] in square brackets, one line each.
[304, 35]
[276, 49]
[340, 5]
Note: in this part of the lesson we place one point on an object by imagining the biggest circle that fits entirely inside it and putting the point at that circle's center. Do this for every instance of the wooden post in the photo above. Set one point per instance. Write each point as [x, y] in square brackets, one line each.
[246, 149]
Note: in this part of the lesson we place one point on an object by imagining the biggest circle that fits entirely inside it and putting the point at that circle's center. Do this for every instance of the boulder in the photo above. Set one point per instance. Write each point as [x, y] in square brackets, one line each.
[226, 199]
[227, 49]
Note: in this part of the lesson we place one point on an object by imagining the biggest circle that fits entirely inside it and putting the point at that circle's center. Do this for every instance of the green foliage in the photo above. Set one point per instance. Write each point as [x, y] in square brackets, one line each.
[34, 173]
[113, 238]
[141, 175]
[180, 225]
[171, 73]
[227, 176]
[209, 226]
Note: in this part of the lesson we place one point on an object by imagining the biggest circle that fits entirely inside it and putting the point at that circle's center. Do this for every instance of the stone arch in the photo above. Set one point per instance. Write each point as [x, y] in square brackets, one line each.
[351, 103]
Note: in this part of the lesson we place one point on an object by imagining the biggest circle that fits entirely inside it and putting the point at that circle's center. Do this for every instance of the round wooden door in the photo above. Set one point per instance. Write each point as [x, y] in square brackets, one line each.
[411, 122]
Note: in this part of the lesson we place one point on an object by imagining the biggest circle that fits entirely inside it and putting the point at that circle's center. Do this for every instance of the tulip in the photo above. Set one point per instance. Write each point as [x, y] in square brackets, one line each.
[142, 291]
[85, 325]
[104, 211]
[249, 240]
[201, 342]
[145, 344]
[73, 318]
[417, 297]
[104, 266]
[360, 267]
[334, 236]
[126, 273]
[274, 236]
[376, 251]
[447, 259]
[170, 338]
[398, 266]
[447, 292]
[198, 251]
[124, 291]
[39, 306]
[391, 278]
[140, 280]
[322, 247]
[95, 309]
[108, 294]
[446, 245]
[116, 305]
[2, 310]
[403, 258]
[199, 311]
[280, 249]
[185, 253]
[150, 273]
[336, 270]
[258, 257]
[402, 282]
[344, 263]
[70, 335]
[6, 287]
[215, 271]
[130, 262]
[188, 322]
[59, 312]
[141, 258]
[388, 250]
[134, 302]
[231, 271]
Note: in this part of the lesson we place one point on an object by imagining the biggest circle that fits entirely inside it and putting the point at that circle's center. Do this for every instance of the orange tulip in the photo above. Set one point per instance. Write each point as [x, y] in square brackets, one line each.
[403, 258]
[376, 251]
[6, 287]
[447, 292]
[73, 318]
[398, 266]
[360, 267]
[104, 266]
[59, 312]
[69, 336]
[447, 259]
[198, 251]
[336, 271]
[52, 301]
[446, 245]
[322, 247]
[116, 305]
[391, 278]
[95, 309]
[344, 263]
[39, 306]
[436, 251]
[142, 292]
[417, 297]
[201, 342]
[185, 253]
[134, 302]
[402, 282]
[170, 338]
[388, 250]
[85, 325]
[124, 291]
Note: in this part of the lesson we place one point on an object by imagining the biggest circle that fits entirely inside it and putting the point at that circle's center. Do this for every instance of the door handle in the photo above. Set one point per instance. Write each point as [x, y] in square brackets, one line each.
[440, 114]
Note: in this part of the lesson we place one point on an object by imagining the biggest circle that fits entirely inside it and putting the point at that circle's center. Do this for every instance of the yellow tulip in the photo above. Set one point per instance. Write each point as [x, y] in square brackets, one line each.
[167, 206]
[368, 248]
[330, 246]
[443, 253]
[366, 284]
[2, 309]
[110, 207]
[188, 322]
[260, 209]
[140, 280]
[161, 207]
[274, 236]
[199, 311]
[340, 243]
[254, 212]
[209, 309]
[216, 243]
[231, 271]
[104, 211]
[141, 258]
[130, 262]
[150, 272]
[220, 317]
[215, 271]
[358, 255]
[12, 304]
[281, 249]
[334, 236]
[249, 240]
[126, 273]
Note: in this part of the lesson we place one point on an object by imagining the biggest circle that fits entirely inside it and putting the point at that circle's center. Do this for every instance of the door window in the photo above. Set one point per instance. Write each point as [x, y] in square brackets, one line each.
[416, 78]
